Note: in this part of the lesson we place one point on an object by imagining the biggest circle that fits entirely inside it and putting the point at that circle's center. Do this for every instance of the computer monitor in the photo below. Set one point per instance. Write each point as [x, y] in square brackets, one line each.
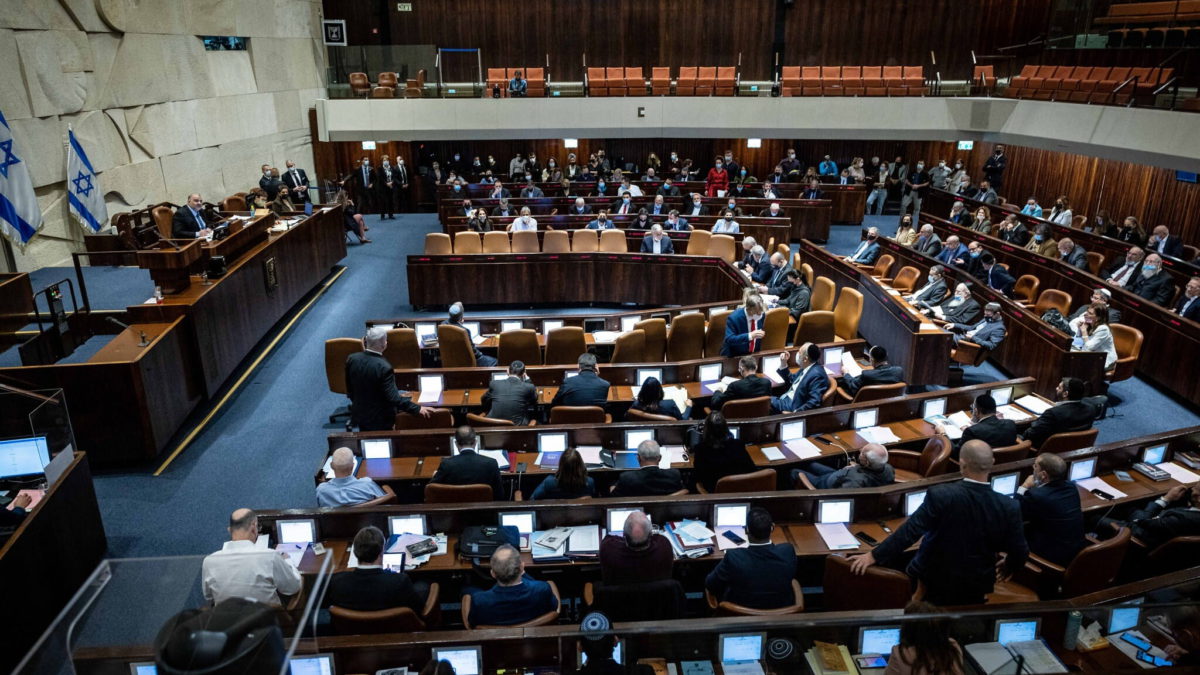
[616, 519]
[717, 310]
[499, 376]
[835, 511]
[730, 515]
[524, 521]
[791, 431]
[1082, 469]
[634, 437]
[644, 373]
[465, 660]
[1155, 454]
[832, 355]
[913, 501]
[628, 323]
[770, 364]
[300, 531]
[552, 442]
[735, 432]
[933, 407]
[472, 328]
[866, 418]
[569, 374]
[410, 524]
[1002, 395]
[23, 456]
[1006, 483]
[1123, 618]
[710, 372]
[430, 383]
[143, 668]
[315, 664]
[426, 331]
[741, 647]
[551, 324]
[618, 653]
[878, 639]
[506, 326]
[1016, 630]
[376, 448]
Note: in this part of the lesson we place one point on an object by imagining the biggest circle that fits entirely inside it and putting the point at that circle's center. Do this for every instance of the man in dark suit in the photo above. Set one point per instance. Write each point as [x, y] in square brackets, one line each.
[1127, 270]
[985, 426]
[963, 527]
[1163, 243]
[1073, 254]
[370, 587]
[750, 385]
[1154, 284]
[1175, 514]
[1102, 296]
[468, 467]
[586, 388]
[927, 241]
[371, 386]
[998, 278]
[870, 469]
[191, 221]
[297, 182]
[988, 333]
[695, 207]
[514, 599]
[636, 554]
[456, 316]
[269, 182]
[774, 284]
[806, 387]
[1050, 506]
[499, 191]
[744, 328]
[959, 308]
[880, 372]
[758, 265]
[868, 249]
[1013, 231]
[1188, 305]
[513, 398]
[601, 222]
[656, 242]
[579, 208]
[952, 250]
[385, 189]
[934, 290]
[667, 189]
[649, 480]
[1071, 413]
[759, 576]
[364, 179]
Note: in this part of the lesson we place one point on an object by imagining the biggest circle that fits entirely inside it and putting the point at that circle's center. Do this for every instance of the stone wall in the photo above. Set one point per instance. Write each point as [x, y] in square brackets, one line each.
[158, 115]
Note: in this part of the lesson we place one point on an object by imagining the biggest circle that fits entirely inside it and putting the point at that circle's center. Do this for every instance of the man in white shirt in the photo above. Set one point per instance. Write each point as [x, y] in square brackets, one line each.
[525, 222]
[1125, 274]
[242, 570]
[344, 489]
[632, 189]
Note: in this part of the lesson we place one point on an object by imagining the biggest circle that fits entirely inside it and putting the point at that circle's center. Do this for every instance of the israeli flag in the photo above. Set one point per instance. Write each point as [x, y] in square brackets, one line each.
[20, 217]
[83, 188]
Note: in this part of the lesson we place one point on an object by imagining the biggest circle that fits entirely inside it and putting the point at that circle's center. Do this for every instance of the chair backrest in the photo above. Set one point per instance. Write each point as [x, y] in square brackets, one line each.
[584, 241]
[822, 295]
[714, 333]
[685, 339]
[883, 266]
[775, 325]
[878, 588]
[660, 73]
[577, 414]
[556, 241]
[848, 313]
[387, 79]
[477, 420]
[440, 493]
[1094, 261]
[1052, 297]
[547, 618]
[697, 242]
[1096, 566]
[878, 392]
[633, 77]
[613, 241]
[564, 345]
[233, 203]
[1026, 288]
[1069, 440]
[496, 242]
[383, 92]
[722, 246]
[635, 414]
[1127, 341]
[441, 418]
[687, 73]
[1012, 453]
[807, 271]
[519, 345]
[630, 347]
[726, 608]
[656, 338]
[454, 343]
[906, 279]
[392, 620]
[360, 81]
[815, 327]
[647, 601]
[1175, 554]
[388, 497]
[162, 216]
[402, 349]
[525, 241]
[467, 242]
[745, 408]
[438, 243]
[337, 351]
[935, 458]
[755, 481]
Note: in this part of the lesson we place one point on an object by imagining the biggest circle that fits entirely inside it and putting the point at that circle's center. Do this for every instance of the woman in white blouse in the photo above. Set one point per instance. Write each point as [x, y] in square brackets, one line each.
[726, 225]
[1093, 335]
[1061, 214]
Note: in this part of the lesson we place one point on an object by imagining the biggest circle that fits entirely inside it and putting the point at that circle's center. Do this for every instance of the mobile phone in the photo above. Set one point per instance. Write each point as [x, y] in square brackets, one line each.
[1123, 476]
[1145, 657]
[1102, 494]
[1135, 640]
[871, 662]
[318, 548]
[733, 536]
[885, 527]
[866, 538]
[521, 467]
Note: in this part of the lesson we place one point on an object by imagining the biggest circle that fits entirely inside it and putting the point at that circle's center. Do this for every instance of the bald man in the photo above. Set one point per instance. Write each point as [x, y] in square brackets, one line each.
[870, 469]
[963, 527]
[344, 489]
[636, 554]
[242, 570]
[191, 221]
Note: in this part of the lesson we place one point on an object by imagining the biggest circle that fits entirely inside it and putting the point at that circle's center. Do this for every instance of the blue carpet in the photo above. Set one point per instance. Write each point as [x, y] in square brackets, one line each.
[107, 287]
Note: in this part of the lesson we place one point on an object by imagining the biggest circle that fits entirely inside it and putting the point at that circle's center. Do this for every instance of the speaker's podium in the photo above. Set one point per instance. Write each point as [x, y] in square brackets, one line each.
[171, 262]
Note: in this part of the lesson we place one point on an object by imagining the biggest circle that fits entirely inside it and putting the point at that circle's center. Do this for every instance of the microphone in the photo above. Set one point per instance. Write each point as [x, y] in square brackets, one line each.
[142, 342]
[122, 325]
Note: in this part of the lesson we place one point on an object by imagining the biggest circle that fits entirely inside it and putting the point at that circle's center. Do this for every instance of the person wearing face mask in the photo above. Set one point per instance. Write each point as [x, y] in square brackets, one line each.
[1163, 243]
[985, 426]
[1093, 335]
[868, 249]
[525, 222]
[363, 179]
[744, 182]
[676, 224]
[998, 278]
[1127, 270]
[877, 183]
[695, 208]
[468, 209]
[642, 221]
[1100, 224]
[1070, 413]
[579, 208]
[627, 186]
[845, 178]
[905, 235]
[601, 222]
[963, 186]
[982, 222]
[972, 263]
[1032, 208]
[804, 388]
[726, 224]
[668, 188]
[716, 183]
[651, 175]
[1072, 253]
[916, 185]
[687, 171]
[744, 328]
[1051, 510]
[775, 284]
[387, 184]
[790, 166]
[487, 178]
[959, 215]
[269, 182]
[927, 241]
[856, 171]
[958, 308]
[552, 173]
[498, 191]
[1042, 242]
[533, 167]
[1061, 213]
[994, 167]
[795, 294]
[813, 191]
[456, 164]
[769, 192]
[601, 188]
[297, 182]
[939, 175]
[605, 165]
[1188, 305]
[731, 165]
[731, 205]
[573, 169]
[896, 177]
[673, 164]
[957, 173]
[933, 292]
[880, 372]
[504, 209]
[1013, 231]
[828, 167]
[1130, 231]
[531, 191]
[282, 205]
[516, 167]
[479, 222]
[988, 333]
[624, 206]
[772, 211]
[776, 176]
[657, 242]
[1153, 283]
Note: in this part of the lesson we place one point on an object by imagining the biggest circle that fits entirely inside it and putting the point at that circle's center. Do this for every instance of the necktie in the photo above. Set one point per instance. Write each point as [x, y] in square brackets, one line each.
[1121, 276]
[295, 178]
[365, 170]
[1183, 310]
[753, 327]
[199, 221]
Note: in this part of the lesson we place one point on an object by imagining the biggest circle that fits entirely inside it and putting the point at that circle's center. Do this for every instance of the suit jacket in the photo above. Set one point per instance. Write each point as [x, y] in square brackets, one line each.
[1192, 312]
[184, 225]
[689, 210]
[292, 183]
[505, 193]
[668, 191]
[712, 463]
[929, 246]
[1132, 276]
[882, 375]
[761, 270]
[813, 384]
[371, 386]
[1000, 280]
[868, 254]
[597, 225]
[796, 297]
[579, 210]
[737, 334]
[586, 388]
[759, 576]
[369, 590]
[620, 564]
[1173, 247]
[1019, 235]
[931, 294]
[1061, 417]
[746, 387]
[996, 432]
[270, 186]
[1054, 521]
[666, 245]
[363, 185]
[776, 282]
[965, 313]
[1157, 289]
[989, 333]
[948, 255]
[509, 605]
[468, 468]
[615, 207]
[648, 481]
[1155, 525]
[510, 399]
[1077, 258]
[964, 525]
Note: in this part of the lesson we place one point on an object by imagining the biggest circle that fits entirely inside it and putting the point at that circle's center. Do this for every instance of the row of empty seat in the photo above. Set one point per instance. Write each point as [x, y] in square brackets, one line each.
[853, 81]
[535, 80]
[1159, 36]
[692, 81]
[1086, 84]
[699, 242]
[388, 84]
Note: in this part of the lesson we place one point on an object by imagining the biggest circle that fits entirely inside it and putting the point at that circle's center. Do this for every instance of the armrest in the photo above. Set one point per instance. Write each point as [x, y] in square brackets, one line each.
[886, 280]
[1045, 565]
[518, 497]
[904, 459]
[589, 594]
[845, 395]
[431, 602]
[700, 489]
[712, 602]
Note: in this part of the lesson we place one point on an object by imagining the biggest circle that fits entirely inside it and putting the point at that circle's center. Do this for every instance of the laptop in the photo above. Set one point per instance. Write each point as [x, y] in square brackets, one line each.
[730, 515]
[411, 524]
[835, 511]
[771, 366]
[1016, 630]
[506, 326]
[615, 520]
[299, 532]
[426, 333]
[878, 639]
[1124, 617]
[628, 323]
[316, 664]
[831, 358]
[741, 647]
[1006, 483]
[710, 373]
[934, 407]
[465, 660]
[524, 521]
[865, 418]
[377, 448]
[549, 325]
[143, 668]
[1155, 454]
[1082, 469]
[552, 442]
[23, 457]
[913, 501]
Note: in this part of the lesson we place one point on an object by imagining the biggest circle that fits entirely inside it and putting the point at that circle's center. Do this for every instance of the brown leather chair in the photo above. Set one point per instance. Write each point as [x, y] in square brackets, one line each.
[337, 351]
[467, 243]
[579, 414]
[162, 216]
[685, 339]
[547, 618]
[1004, 593]
[934, 460]
[1127, 341]
[360, 84]
[441, 418]
[519, 345]
[392, 620]
[822, 295]
[584, 241]
[476, 420]
[906, 279]
[556, 241]
[1094, 568]
[438, 243]
[633, 414]
[879, 588]
[525, 241]
[968, 353]
[234, 203]
[564, 345]
[402, 350]
[660, 81]
[722, 246]
[815, 327]
[775, 325]
[763, 480]
[1069, 440]
[1012, 453]
[847, 314]
[746, 408]
[496, 242]
[656, 338]
[1052, 297]
[1170, 556]
[455, 346]
[697, 242]
[387, 79]
[383, 92]
[1026, 289]
[827, 399]
[1094, 262]
[388, 497]
[726, 608]
[440, 493]
[807, 271]
[874, 392]
[883, 267]
[630, 347]
[714, 333]
[613, 241]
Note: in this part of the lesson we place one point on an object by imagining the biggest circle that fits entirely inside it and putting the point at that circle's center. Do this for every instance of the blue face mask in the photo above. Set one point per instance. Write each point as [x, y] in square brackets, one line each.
[743, 172]
[458, 188]
[1038, 237]
[1150, 268]
[627, 200]
[975, 254]
[600, 185]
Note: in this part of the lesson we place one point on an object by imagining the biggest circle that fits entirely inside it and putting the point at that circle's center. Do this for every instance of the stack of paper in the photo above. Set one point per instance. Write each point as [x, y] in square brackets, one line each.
[1179, 473]
[678, 395]
[1034, 404]
[605, 336]
[929, 326]
[1097, 483]
[879, 435]
[802, 448]
[686, 535]
[772, 453]
[669, 455]
[590, 455]
[478, 339]
[295, 552]
[838, 661]
[849, 365]
[953, 431]
[1011, 412]
[500, 456]
[837, 536]
[584, 542]
[550, 545]
[430, 395]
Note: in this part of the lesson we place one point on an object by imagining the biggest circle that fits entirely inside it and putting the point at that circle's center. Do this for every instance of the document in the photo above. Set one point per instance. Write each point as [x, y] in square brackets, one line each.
[678, 395]
[670, 454]
[429, 396]
[584, 539]
[802, 448]
[696, 530]
[772, 453]
[960, 419]
[605, 336]
[1038, 657]
[1097, 483]
[747, 668]
[837, 536]
[500, 456]
[1033, 404]
[295, 553]
[478, 339]
[1179, 473]
[554, 538]
[849, 365]
[879, 435]
[1011, 412]
[590, 454]
[892, 291]
[991, 657]
[929, 326]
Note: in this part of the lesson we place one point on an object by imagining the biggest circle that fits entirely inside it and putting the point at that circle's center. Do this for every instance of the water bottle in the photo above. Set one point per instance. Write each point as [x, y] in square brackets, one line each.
[1071, 634]
[158, 296]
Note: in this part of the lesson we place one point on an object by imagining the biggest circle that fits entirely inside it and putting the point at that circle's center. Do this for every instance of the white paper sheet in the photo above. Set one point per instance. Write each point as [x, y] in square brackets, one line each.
[1179, 473]
[850, 366]
[478, 339]
[500, 456]
[585, 539]
[929, 326]
[696, 530]
[1097, 483]
[1014, 413]
[605, 336]
[1033, 404]
[724, 543]
[773, 454]
[879, 435]
[431, 396]
[803, 448]
[837, 536]
[960, 419]
[748, 668]
[590, 454]
[670, 454]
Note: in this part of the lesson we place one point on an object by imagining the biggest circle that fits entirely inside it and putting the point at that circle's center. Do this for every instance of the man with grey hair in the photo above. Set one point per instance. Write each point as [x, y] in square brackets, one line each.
[868, 250]
[648, 480]
[774, 285]
[344, 489]
[757, 265]
[243, 570]
[637, 554]
[191, 221]
[456, 317]
[371, 386]
[870, 469]
[580, 208]
[656, 242]
[927, 241]
[514, 599]
[586, 388]
[988, 333]
[963, 527]
[748, 245]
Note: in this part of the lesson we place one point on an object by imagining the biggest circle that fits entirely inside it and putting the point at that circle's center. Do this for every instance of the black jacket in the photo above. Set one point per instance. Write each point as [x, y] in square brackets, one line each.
[184, 225]
[469, 468]
[759, 576]
[510, 399]
[1000, 280]
[1157, 289]
[710, 465]
[371, 590]
[930, 294]
[746, 387]
[796, 297]
[1062, 417]
[371, 386]
[1155, 525]
[586, 388]
[858, 476]
[879, 375]
[648, 481]
[967, 312]
[1054, 521]
[994, 431]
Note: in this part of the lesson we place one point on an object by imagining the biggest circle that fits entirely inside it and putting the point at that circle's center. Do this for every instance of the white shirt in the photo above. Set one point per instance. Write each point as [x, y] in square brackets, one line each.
[522, 224]
[1062, 218]
[633, 190]
[242, 570]
[1124, 276]
[656, 245]
[723, 225]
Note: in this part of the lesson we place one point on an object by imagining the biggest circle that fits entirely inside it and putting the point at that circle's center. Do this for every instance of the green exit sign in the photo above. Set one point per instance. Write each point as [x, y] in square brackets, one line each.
[403, 6]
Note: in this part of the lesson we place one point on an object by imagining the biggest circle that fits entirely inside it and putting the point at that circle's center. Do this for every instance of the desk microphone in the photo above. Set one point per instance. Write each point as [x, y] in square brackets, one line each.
[124, 326]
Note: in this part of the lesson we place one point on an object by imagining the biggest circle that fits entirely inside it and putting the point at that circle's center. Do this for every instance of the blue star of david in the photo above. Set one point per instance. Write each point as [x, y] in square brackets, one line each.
[9, 157]
[83, 184]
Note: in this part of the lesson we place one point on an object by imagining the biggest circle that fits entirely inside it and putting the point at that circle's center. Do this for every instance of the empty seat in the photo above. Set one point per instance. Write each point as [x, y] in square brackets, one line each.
[635, 84]
[852, 84]
[564, 345]
[714, 333]
[723, 246]
[578, 414]
[597, 83]
[822, 294]
[455, 346]
[726, 84]
[402, 349]
[686, 84]
[613, 241]
[660, 81]
[847, 314]
[519, 345]
[697, 242]
[438, 243]
[525, 241]
[630, 347]
[706, 80]
[584, 241]
[496, 80]
[789, 84]
[814, 326]
[831, 80]
[360, 84]
[656, 338]
[685, 339]
[467, 242]
[556, 241]
[873, 82]
[983, 79]
[387, 79]
[616, 81]
[383, 92]
[535, 81]
[496, 242]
